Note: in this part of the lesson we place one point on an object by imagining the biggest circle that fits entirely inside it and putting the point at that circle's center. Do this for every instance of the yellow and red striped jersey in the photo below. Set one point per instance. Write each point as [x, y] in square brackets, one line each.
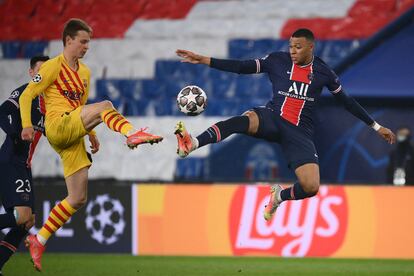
[63, 89]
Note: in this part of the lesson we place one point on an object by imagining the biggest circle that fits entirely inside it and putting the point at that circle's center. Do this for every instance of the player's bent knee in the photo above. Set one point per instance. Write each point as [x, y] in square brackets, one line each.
[106, 105]
[311, 188]
[253, 122]
[78, 202]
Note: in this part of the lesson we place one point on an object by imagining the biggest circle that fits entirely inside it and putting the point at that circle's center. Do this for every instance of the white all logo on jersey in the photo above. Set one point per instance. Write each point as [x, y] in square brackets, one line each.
[302, 91]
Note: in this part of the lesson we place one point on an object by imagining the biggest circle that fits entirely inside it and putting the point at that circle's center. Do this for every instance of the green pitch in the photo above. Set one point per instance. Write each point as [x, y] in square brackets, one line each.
[103, 264]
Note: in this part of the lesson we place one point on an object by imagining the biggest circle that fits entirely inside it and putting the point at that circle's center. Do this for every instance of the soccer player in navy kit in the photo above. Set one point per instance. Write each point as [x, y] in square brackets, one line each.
[16, 187]
[297, 78]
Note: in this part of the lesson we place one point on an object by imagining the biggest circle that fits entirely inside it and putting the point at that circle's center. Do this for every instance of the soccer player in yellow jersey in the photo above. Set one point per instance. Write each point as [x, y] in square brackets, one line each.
[65, 82]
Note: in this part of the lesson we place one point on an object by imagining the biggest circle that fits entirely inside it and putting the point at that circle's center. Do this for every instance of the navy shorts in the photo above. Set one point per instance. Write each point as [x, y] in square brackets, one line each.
[16, 185]
[296, 144]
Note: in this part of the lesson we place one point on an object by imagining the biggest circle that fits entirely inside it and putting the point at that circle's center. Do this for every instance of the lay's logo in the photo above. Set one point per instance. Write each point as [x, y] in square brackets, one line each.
[310, 227]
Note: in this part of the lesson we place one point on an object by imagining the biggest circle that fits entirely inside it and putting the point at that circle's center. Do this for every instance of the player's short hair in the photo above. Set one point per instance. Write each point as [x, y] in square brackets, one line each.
[306, 33]
[36, 59]
[72, 27]
[404, 127]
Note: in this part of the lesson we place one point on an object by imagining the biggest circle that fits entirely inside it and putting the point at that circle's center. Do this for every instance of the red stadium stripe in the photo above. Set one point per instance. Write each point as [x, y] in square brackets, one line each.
[63, 209]
[61, 92]
[52, 221]
[291, 110]
[48, 229]
[8, 245]
[58, 216]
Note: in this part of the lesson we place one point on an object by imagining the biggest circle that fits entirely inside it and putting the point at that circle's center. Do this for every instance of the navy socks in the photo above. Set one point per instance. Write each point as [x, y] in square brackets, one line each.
[223, 129]
[294, 192]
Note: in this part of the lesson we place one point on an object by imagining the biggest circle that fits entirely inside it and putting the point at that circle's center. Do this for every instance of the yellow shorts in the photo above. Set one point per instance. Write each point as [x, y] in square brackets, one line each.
[65, 135]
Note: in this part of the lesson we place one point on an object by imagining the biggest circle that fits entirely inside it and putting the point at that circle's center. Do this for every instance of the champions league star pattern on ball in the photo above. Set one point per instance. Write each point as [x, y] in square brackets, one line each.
[192, 100]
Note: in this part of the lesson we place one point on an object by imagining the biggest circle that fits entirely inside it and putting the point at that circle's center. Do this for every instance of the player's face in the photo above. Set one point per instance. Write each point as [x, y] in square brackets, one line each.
[301, 50]
[79, 45]
[35, 70]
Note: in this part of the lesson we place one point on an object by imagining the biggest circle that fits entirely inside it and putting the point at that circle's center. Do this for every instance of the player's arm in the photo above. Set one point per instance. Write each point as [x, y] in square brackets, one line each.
[355, 108]
[7, 109]
[47, 74]
[358, 111]
[229, 65]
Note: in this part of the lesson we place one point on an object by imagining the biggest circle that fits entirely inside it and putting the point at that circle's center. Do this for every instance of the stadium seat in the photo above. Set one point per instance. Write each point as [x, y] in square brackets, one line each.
[363, 19]
[95, 12]
[20, 49]
[11, 49]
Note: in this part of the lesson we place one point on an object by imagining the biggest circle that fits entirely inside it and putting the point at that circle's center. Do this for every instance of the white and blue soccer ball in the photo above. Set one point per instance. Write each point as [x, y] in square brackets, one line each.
[192, 100]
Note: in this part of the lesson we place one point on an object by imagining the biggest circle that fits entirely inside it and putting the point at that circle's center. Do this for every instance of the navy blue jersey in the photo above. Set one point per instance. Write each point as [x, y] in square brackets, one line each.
[13, 146]
[296, 89]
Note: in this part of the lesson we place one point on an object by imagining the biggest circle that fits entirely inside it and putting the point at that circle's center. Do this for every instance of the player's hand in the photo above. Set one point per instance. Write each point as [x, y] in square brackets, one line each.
[387, 134]
[28, 134]
[191, 57]
[93, 139]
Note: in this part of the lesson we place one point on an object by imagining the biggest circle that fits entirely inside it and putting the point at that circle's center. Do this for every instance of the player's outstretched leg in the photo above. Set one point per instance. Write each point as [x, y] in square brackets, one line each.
[116, 122]
[59, 215]
[36, 250]
[186, 143]
[214, 134]
[274, 201]
[307, 186]
[141, 137]
[278, 195]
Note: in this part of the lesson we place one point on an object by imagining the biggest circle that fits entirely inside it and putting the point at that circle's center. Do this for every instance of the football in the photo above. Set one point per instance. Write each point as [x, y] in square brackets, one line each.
[192, 100]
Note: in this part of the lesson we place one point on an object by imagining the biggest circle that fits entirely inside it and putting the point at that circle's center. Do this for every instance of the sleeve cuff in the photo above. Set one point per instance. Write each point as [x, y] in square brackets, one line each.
[375, 126]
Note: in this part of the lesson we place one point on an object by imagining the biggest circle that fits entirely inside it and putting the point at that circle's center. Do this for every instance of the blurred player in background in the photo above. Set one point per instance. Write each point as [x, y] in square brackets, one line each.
[64, 82]
[15, 161]
[297, 78]
[401, 159]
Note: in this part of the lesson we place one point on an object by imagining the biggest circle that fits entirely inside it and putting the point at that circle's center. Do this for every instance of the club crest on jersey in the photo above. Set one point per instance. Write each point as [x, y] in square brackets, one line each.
[37, 78]
[85, 83]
